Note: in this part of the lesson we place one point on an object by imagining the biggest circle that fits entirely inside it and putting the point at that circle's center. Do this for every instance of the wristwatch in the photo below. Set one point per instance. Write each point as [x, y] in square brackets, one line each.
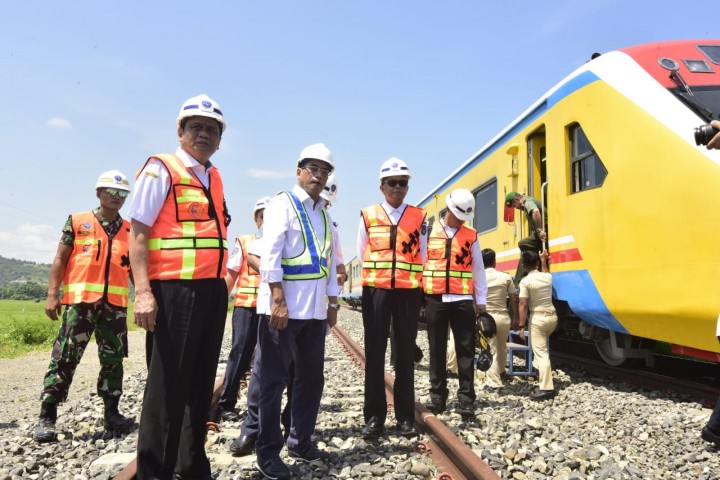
[336, 306]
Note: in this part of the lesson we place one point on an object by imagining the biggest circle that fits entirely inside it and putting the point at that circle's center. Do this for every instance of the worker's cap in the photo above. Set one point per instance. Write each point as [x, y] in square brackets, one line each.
[113, 179]
[262, 203]
[509, 198]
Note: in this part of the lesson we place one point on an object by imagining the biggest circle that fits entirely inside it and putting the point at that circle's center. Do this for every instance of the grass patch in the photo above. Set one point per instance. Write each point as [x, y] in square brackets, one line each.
[24, 327]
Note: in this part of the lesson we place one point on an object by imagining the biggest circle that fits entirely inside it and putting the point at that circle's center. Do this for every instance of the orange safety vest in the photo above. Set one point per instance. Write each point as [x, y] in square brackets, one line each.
[188, 240]
[448, 268]
[99, 265]
[392, 258]
[246, 288]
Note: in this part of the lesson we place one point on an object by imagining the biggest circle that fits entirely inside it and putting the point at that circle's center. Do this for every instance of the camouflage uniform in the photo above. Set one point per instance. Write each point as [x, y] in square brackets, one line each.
[109, 322]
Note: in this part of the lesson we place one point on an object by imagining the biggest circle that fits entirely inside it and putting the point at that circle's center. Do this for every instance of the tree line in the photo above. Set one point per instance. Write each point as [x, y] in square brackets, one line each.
[23, 280]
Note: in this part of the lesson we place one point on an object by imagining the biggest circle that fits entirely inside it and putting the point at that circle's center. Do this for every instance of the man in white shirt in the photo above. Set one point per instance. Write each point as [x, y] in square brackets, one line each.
[297, 263]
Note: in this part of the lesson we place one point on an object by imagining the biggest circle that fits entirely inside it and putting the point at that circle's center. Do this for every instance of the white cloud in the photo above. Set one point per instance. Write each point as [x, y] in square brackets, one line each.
[33, 242]
[269, 174]
[59, 122]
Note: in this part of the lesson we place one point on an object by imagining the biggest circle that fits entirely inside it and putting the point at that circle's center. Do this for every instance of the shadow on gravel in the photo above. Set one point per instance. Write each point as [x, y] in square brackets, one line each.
[12, 424]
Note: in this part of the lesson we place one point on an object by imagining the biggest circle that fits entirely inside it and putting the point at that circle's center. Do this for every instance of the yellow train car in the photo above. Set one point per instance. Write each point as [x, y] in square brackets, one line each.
[629, 198]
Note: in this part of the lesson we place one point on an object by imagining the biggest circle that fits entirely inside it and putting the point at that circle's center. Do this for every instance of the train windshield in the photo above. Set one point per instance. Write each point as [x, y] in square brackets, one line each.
[704, 96]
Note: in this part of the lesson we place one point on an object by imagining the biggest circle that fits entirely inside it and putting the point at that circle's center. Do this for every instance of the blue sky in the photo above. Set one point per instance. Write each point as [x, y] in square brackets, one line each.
[91, 86]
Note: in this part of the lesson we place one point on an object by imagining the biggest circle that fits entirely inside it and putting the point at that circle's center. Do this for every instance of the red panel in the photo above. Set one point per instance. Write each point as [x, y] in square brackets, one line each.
[647, 57]
[694, 352]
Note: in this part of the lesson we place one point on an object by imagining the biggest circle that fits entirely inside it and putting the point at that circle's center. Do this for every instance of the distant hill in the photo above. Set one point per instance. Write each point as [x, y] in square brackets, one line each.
[21, 271]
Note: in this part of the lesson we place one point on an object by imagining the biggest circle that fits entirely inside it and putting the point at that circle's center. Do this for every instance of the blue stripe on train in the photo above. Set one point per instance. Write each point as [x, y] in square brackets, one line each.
[578, 289]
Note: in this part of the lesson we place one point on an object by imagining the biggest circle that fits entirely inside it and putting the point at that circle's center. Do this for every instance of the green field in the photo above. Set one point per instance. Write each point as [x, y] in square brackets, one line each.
[25, 328]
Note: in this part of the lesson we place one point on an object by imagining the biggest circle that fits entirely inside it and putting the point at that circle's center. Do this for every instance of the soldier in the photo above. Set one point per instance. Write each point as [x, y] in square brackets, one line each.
[93, 263]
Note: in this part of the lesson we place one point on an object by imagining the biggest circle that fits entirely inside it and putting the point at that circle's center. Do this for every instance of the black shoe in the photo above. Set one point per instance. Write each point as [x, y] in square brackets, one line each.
[542, 395]
[45, 429]
[407, 429]
[418, 354]
[435, 408]
[243, 445]
[308, 454]
[113, 420]
[228, 415]
[709, 436]
[372, 430]
[492, 389]
[274, 469]
[465, 409]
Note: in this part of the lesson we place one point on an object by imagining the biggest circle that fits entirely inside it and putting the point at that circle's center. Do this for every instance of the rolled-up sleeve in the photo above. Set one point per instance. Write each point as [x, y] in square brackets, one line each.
[275, 227]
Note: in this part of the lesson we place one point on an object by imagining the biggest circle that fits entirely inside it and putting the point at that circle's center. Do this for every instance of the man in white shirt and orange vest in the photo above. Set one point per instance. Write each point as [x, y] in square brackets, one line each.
[246, 280]
[179, 248]
[297, 263]
[93, 264]
[455, 292]
[391, 238]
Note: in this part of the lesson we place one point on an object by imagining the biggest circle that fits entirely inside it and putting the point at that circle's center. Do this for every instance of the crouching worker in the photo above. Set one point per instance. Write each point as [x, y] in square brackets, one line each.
[93, 264]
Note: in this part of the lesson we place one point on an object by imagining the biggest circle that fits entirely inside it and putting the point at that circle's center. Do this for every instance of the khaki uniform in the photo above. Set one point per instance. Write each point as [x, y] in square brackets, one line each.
[500, 285]
[537, 288]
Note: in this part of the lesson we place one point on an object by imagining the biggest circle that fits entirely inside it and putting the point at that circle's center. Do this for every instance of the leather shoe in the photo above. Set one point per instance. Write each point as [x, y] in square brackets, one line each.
[308, 454]
[543, 395]
[372, 430]
[435, 408]
[243, 445]
[465, 409]
[407, 429]
[709, 436]
[274, 469]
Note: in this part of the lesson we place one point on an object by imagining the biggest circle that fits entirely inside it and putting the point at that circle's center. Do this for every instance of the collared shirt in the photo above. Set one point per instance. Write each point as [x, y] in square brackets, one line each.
[537, 288]
[111, 227]
[394, 215]
[499, 285]
[153, 185]
[479, 281]
[283, 238]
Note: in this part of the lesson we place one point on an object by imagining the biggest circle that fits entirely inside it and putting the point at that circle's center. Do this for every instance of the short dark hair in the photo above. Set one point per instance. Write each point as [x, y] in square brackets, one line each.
[530, 259]
[488, 256]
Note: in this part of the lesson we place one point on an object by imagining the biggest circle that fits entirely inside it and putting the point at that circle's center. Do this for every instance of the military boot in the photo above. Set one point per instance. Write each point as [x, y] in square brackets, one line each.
[45, 428]
[113, 421]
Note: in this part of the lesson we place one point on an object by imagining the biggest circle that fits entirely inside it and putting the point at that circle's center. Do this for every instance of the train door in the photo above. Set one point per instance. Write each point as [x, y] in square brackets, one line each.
[537, 170]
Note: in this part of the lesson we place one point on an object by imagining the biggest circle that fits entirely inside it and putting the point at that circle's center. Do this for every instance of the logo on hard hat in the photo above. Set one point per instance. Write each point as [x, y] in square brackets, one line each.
[395, 165]
[206, 104]
[196, 209]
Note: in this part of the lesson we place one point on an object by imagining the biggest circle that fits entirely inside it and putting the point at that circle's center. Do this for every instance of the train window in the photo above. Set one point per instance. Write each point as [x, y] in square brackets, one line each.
[486, 207]
[587, 170]
[712, 52]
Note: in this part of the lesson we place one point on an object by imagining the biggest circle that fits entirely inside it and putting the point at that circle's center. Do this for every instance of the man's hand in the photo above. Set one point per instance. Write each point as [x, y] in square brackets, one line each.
[279, 310]
[53, 307]
[715, 141]
[145, 310]
[331, 317]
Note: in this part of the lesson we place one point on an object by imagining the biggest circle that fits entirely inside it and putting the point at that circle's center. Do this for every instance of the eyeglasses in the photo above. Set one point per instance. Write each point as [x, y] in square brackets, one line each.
[393, 183]
[114, 192]
[196, 128]
[317, 171]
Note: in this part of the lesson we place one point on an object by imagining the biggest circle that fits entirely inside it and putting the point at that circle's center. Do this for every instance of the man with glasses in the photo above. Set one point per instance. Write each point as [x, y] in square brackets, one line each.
[296, 311]
[178, 245]
[93, 264]
[391, 241]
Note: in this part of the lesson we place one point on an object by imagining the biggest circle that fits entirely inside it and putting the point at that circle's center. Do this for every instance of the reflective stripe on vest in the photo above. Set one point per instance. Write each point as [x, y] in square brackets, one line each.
[448, 268]
[392, 258]
[98, 266]
[248, 281]
[314, 260]
[188, 239]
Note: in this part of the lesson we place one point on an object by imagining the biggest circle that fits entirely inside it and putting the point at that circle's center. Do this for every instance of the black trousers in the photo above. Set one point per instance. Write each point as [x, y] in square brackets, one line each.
[186, 346]
[714, 421]
[460, 317]
[380, 308]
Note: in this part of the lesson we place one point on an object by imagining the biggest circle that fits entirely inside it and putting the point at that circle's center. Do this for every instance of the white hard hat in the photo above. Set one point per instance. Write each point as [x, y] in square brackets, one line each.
[317, 151]
[330, 190]
[113, 179]
[394, 167]
[262, 203]
[201, 106]
[461, 203]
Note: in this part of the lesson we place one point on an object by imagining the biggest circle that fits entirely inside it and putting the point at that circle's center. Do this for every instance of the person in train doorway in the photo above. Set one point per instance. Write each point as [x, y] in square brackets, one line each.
[93, 264]
[533, 212]
[455, 292]
[246, 280]
[501, 294]
[711, 431]
[296, 261]
[536, 308]
[391, 241]
[178, 244]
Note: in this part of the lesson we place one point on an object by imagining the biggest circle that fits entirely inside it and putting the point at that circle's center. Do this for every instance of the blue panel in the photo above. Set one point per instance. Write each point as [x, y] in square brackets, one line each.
[572, 85]
[578, 289]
